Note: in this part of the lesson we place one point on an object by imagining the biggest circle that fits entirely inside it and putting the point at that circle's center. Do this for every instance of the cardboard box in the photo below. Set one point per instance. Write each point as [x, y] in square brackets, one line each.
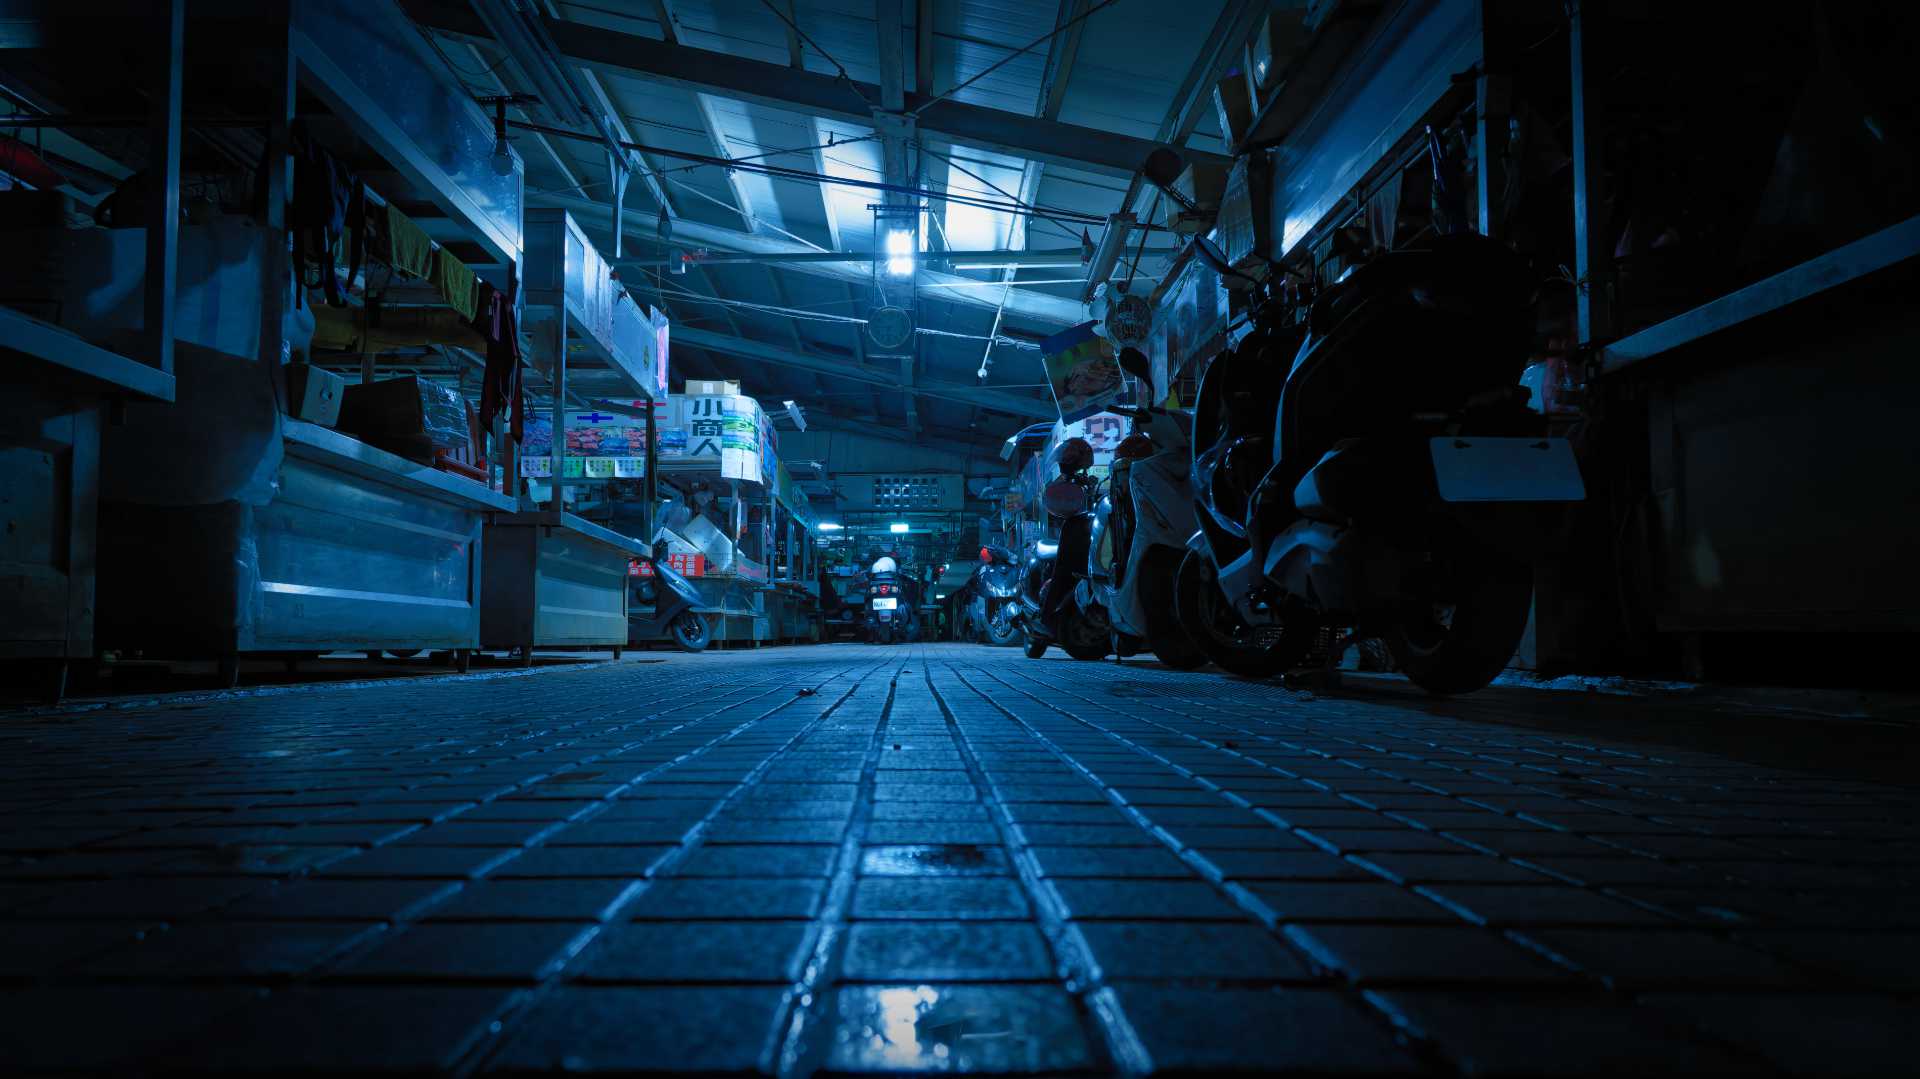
[1273, 48]
[1245, 225]
[1204, 183]
[314, 394]
[407, 416]
[1233, 105]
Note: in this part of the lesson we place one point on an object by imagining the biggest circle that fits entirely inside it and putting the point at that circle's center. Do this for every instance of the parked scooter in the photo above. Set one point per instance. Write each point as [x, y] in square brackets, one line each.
[1049, 610]
[1406, 489]
[661, 602]
[1140, 531]
[991, 593]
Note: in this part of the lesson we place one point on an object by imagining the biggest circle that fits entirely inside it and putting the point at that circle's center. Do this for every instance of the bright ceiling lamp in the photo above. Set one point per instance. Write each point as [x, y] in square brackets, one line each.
[900, 253]
[829, 526]
[897, 527]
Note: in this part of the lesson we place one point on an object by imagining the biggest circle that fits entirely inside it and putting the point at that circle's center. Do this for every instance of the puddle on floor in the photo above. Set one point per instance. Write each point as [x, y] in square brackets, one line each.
[958, 1028]
[934, 860]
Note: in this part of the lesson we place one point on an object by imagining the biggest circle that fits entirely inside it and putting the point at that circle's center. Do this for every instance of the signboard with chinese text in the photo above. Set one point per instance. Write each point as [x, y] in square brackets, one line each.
[686, 565]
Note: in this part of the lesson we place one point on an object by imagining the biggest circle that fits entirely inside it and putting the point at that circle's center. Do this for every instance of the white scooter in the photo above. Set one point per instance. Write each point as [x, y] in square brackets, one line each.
[1140, 532]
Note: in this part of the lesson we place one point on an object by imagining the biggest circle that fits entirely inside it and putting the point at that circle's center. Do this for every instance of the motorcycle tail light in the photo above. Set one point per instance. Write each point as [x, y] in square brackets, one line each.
[986, 556]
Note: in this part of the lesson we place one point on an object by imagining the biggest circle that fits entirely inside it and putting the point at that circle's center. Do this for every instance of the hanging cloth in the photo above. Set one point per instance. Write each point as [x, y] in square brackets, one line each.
[409, 249]
[328, 201]
[455, 283]
[500, 387]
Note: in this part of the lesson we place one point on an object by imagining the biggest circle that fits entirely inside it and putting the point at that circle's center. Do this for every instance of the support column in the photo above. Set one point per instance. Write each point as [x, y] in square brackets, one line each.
[558, 342]
[163, 179]
[1589, 263]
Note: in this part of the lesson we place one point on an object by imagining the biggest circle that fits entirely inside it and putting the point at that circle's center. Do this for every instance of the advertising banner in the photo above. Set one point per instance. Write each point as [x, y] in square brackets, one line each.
[1081, 370]
[724, 431]
[686, 565]
[600, 445]
[1102, 430]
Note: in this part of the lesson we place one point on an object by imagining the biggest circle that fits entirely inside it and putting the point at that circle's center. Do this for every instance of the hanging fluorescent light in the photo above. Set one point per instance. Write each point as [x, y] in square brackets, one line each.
[897, 527]
[900, 253]
[829, 526]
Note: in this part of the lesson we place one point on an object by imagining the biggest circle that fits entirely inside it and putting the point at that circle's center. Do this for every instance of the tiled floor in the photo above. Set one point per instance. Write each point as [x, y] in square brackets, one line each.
[853, 859]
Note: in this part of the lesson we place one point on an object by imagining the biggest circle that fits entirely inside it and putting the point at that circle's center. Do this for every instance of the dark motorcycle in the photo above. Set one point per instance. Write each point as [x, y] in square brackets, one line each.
[1404, 490]
[1051, 607]
[661, 604]
[893, 599]
[991, 593]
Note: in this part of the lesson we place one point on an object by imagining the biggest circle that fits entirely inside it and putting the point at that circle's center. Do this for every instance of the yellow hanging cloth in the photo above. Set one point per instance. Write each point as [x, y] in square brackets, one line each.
[410, 250]
[455, 283]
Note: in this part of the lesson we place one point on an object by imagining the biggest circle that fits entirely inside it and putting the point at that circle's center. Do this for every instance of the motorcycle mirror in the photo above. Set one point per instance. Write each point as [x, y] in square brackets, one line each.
[1134, 362]
[1209, 252]
[1162, 169]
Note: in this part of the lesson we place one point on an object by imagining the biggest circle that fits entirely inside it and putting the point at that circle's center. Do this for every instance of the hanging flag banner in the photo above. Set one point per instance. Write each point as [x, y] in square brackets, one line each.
[1081, 370]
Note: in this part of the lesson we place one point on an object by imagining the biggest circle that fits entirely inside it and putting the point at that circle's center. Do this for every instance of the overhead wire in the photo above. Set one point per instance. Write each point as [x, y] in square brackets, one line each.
[781, 171]
[1036, 214]
[1004, 60]
[837, 65]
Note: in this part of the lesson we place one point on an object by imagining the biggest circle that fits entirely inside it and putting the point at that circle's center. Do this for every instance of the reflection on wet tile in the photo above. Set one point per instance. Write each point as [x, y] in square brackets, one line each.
[981, 1028]
[934, 860]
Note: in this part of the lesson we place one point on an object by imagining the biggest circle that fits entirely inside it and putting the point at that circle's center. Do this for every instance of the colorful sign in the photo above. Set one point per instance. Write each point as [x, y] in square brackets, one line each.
[686, 565]
[1102, 430]
[730, 431]
[1081, 370]
[600, 445]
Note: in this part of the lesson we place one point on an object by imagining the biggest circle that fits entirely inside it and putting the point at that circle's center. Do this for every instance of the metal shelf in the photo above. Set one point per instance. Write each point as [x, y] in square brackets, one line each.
[1844, 264]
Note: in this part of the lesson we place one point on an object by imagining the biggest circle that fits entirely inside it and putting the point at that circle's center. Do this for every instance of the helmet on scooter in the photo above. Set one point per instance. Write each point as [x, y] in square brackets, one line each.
[1134, 447]
[1073, 456]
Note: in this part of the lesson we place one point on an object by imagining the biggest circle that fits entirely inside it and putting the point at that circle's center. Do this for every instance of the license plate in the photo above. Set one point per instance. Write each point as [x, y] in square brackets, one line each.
[885, 603]
[1507, 470]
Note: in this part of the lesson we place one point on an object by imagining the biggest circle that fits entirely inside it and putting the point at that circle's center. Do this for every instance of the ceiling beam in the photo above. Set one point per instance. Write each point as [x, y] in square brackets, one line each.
[923, 46]
[1230, 31]
[1036, 308]
[1005, 401]
[796, 57]
[811, 93]
[709, 123]
[1066, 46]
[966, 454]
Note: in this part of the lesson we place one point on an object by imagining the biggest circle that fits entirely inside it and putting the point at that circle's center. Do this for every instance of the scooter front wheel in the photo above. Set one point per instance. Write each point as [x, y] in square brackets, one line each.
[690, 632]
[1001, 629]
[1213, 624]
[1165, 635]
[1036, 648]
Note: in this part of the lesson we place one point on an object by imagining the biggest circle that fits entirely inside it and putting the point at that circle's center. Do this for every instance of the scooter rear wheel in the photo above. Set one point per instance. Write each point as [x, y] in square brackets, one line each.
[1222, 634]
[1082, 638]
[1462, 622]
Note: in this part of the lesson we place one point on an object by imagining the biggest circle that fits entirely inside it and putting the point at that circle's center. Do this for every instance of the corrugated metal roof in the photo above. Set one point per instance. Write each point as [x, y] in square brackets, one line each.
[1131, 60]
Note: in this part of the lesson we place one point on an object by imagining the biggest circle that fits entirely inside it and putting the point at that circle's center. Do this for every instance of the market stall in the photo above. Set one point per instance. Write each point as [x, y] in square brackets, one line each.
[556, 579]
[716, 452]
[794, 602]
[236, 520]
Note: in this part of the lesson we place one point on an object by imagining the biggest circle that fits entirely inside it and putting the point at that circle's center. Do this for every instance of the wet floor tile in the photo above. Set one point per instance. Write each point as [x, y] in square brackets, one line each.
[949, 1028]
[933, 860]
